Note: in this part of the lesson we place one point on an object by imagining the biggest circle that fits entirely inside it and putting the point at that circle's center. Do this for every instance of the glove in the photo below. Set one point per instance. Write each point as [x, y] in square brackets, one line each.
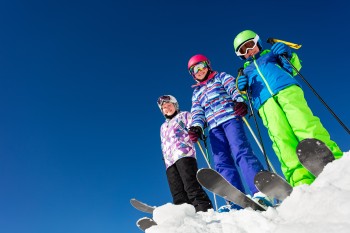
[240, 109]
[242, 82]
[281, 48]
[195, 132]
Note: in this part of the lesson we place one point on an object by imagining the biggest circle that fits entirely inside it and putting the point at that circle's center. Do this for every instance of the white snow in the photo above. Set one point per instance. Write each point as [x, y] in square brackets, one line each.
[322, 207]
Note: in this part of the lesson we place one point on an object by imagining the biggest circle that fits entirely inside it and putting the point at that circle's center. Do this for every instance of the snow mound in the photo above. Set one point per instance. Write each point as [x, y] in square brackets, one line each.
[322, 207]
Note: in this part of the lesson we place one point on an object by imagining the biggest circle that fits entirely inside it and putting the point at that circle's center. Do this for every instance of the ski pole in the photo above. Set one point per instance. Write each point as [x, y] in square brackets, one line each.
[257, 142]
[206, 158]
[205, 155]
[240, 72]
[270, 40]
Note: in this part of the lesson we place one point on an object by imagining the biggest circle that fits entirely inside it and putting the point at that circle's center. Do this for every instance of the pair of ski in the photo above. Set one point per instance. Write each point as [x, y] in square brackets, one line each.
[312, 153]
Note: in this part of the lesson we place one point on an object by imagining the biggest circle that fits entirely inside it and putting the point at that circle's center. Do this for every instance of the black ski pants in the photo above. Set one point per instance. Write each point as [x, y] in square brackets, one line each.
[184, 186]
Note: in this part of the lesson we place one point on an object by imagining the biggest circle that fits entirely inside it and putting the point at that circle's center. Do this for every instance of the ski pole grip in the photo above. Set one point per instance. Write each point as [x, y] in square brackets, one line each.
[240, 71]
[270, 41]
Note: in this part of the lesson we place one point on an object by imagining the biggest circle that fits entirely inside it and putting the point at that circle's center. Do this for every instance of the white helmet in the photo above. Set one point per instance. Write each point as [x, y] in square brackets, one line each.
[167, 99]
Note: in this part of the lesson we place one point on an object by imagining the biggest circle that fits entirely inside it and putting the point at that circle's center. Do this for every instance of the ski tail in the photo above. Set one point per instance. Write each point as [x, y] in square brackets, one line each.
[314, 155]
[144, 223]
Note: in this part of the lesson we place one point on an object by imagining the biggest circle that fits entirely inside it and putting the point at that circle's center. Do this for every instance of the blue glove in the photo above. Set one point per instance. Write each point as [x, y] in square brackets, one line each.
[242, 82]
[281, 48]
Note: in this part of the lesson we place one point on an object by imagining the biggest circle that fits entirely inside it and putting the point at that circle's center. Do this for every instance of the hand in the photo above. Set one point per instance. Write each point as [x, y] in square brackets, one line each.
[281, 48]
[241, 109]
[195, 132]
[242, 82]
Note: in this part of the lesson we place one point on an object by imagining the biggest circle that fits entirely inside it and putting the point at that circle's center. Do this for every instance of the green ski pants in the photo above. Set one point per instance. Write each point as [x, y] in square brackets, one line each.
[289, 120]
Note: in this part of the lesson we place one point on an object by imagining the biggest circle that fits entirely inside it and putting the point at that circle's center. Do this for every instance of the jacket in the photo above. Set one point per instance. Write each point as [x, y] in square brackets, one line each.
[213, 100]
[175, 141]
[267, 75]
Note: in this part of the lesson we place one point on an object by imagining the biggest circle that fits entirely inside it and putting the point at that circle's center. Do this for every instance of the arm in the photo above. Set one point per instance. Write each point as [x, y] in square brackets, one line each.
[198, 114]
[162, 139]
[284, 52]
[187, 120]
[294, 60]
[229, 83]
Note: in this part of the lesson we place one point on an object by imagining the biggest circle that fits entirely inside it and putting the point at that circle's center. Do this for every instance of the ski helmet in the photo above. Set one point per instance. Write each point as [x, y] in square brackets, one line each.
[167, 99]
[242, 37]
[196, 59]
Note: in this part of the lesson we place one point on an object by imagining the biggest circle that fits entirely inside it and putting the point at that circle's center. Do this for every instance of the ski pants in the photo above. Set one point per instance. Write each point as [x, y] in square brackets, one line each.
[184, 186]
[289, 120]
[231, 150]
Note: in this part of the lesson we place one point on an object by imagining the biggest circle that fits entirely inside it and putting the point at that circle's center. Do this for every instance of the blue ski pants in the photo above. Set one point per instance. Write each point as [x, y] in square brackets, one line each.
[231, 150]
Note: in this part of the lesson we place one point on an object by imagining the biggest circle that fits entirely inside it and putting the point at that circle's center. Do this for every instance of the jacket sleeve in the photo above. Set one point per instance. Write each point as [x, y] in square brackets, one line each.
[187, 119]
[198, 114]
[295, 62]
[162, 138]
[229, 83]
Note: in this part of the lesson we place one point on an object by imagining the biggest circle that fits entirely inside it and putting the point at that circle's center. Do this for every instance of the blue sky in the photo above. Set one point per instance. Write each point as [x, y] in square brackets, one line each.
[79, 80]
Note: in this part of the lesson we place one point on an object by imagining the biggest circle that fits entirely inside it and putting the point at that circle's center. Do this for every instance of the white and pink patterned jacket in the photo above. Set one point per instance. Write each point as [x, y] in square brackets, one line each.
[175, 141]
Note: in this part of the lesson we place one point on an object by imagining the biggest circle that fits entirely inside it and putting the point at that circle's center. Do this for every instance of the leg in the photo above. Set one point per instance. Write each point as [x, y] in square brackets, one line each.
[176, 186]
[223, 160]
[284, 143]
[242, 152]
[187, 168]
[302, 120]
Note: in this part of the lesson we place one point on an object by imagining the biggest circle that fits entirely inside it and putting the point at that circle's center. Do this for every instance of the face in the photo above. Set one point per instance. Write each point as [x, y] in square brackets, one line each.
[168, 108]
[200, 75]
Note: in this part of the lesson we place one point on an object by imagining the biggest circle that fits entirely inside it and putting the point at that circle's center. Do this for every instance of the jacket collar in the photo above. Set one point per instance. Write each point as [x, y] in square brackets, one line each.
[205, 81]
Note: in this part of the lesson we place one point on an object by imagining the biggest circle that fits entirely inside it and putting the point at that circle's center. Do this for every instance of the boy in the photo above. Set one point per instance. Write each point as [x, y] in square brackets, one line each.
[180, 156]
[217, 104]
[280, 102]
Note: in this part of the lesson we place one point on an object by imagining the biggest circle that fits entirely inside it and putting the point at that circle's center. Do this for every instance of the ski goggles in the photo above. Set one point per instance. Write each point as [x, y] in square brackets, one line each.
[162, 99]
[246, 46]
[198, 67]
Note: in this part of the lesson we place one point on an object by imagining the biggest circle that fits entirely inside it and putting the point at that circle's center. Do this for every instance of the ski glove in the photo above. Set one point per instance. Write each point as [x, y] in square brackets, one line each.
[195, 132]
[242, 82]
[241, 109]
[281, 48]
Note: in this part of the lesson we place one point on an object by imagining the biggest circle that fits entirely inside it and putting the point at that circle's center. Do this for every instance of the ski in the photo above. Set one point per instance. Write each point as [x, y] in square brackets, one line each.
[142, 206]
[216, 183]
[314, 155]
[145, 223]
[272, 185]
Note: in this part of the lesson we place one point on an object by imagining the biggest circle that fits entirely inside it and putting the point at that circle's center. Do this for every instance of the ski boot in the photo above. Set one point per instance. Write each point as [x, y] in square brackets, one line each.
[262, 199]
[230, 206]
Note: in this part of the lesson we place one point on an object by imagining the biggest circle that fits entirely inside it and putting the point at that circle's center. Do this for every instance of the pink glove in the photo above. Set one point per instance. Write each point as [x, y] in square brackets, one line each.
[195, 132]
[241, 109]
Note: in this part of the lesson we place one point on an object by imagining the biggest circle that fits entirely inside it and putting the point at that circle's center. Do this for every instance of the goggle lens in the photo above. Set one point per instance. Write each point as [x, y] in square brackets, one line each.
[250, 44]
[162, 99]
[247, 45]
[198, 67]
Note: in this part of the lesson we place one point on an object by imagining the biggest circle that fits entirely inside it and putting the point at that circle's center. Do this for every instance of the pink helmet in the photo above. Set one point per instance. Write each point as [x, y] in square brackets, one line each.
[197, 58]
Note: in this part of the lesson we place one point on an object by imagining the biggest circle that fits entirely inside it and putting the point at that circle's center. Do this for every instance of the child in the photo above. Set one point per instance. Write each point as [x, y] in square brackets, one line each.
[180, 156]
[280, 102]
[217, 104]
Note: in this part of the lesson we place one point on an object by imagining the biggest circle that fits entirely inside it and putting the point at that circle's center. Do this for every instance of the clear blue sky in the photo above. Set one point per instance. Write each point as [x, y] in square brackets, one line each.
[79, 124]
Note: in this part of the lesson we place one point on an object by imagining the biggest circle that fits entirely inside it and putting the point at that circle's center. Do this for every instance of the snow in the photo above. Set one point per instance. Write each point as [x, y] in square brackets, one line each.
[322, 207]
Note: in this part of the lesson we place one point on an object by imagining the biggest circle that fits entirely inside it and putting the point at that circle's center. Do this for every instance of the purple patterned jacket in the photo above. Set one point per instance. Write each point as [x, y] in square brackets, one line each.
[176, 143]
